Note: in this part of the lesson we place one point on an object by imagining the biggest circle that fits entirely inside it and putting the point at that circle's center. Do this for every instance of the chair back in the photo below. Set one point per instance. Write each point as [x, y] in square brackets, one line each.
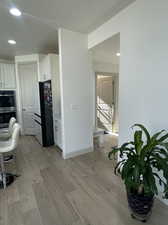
[15, 135]
[11, 124]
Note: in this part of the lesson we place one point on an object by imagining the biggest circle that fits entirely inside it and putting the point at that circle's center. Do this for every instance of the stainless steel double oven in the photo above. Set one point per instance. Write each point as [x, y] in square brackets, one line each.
[7, 107]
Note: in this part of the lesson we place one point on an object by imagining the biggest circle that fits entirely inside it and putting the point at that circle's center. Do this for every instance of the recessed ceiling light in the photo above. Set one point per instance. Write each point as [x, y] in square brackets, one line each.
[15, 12]
[118, 54]
[12, 42]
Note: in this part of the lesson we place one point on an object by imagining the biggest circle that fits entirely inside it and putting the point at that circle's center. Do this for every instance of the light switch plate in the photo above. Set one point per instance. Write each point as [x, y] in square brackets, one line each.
[74, 106]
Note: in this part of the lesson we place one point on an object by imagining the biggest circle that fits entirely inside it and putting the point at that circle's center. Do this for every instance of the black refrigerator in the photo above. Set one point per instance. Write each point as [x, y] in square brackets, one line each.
[46, 113]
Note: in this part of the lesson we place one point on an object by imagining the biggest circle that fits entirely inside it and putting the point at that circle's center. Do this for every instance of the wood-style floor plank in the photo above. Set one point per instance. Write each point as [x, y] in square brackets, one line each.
[78, 191]
[48, 212]
[58, 195]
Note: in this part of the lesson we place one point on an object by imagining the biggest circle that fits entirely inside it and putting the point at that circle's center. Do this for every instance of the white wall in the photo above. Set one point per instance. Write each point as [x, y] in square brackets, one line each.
[143, 84]
[76, 93]
[105, 67]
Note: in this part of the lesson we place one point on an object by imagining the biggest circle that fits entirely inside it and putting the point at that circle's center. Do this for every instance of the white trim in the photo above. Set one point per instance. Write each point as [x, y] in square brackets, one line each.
[7, 61]
[27, 58]
[61, 92]
[77, 153]
[18, 99]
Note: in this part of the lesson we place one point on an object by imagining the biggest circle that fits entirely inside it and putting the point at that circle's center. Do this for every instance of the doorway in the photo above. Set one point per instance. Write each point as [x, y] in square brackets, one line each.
[29, 95]
[105, 63]
[106, 102]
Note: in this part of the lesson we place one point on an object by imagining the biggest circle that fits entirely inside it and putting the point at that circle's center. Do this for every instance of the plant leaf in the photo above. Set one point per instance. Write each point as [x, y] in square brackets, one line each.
[154, 137]
[163, 138]
[138, 141]
[144, 129]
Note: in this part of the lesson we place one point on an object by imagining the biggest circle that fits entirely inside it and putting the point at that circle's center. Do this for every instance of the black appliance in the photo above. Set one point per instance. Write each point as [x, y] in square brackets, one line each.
[46, 113]
[7, 107]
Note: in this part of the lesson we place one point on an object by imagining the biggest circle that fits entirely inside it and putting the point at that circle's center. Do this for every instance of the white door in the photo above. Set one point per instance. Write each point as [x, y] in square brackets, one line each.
[105, 102]
[29, 96]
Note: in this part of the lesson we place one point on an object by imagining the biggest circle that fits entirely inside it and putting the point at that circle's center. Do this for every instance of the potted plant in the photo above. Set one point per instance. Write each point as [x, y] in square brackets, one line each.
[143, 166]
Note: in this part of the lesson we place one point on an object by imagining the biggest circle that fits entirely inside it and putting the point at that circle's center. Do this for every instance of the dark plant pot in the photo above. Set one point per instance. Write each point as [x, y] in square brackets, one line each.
[140, 206]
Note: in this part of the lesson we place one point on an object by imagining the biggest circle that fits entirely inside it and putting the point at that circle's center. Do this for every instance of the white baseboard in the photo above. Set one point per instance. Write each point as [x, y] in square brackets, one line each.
[77, 153]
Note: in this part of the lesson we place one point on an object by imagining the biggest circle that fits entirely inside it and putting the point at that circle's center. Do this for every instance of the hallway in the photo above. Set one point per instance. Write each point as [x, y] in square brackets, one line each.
[79, 191]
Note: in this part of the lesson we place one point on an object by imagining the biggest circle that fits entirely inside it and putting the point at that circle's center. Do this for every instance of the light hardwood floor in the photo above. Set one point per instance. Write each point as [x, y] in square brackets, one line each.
[79, 191]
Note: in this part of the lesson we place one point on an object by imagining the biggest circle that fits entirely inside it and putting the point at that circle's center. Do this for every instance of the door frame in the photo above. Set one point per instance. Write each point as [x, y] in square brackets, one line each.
[21, 61]
[95, 82]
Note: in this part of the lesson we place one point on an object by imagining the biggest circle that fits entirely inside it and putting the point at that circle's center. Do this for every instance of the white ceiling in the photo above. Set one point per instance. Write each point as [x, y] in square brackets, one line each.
[106, 51]
[31, 36]
[36, 30]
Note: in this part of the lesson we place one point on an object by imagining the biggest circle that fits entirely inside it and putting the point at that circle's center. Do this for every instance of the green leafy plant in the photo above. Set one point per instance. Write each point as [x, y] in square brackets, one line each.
[144, 161]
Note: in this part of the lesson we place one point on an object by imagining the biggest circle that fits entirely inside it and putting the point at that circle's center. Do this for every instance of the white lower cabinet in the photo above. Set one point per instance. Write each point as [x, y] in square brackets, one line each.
[58, 133]
[38, 128]
[39, 133]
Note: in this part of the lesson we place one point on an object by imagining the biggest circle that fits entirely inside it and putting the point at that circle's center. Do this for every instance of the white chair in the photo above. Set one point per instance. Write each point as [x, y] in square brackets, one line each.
[6, 133]
[6, 147]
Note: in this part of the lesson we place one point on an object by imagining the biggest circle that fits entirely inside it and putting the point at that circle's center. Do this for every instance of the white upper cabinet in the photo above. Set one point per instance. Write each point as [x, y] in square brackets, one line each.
[48, 66]
[7, 76]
